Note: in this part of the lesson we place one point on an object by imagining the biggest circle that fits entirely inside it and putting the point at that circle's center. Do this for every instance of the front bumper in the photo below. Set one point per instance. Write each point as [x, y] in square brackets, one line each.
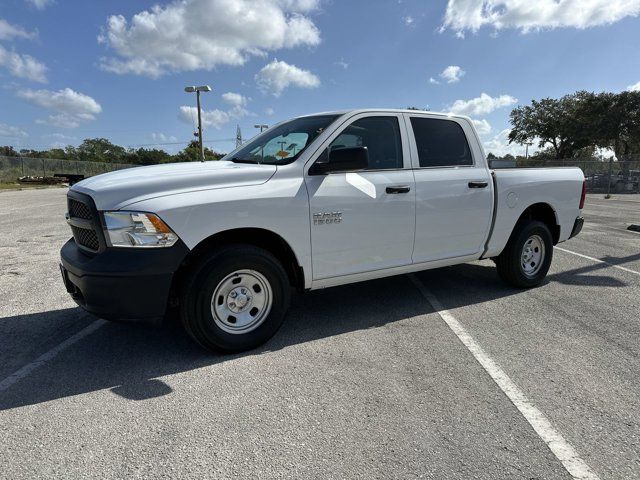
[121, 283]
[577, 227]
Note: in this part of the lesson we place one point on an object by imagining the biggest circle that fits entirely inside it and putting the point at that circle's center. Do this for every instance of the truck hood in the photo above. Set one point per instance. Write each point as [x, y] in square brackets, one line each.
[116, 190]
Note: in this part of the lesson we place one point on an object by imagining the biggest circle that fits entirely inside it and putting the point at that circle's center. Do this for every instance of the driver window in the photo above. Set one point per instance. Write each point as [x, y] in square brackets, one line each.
[381, 136]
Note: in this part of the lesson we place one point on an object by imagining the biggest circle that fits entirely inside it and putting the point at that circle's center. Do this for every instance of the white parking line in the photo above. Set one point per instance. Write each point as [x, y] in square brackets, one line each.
[45, 357]
[597, 260]
[563, 451]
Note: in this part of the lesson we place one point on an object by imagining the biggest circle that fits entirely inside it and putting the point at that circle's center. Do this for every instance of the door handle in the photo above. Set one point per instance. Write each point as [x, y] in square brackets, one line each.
[478, 184]
[399, 189]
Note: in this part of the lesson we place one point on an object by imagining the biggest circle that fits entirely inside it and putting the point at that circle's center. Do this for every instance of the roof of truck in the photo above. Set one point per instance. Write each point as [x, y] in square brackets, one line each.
[389, 110]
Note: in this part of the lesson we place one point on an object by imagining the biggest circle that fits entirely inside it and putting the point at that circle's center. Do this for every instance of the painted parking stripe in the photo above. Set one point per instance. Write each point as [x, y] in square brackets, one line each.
[562, 449]
[45, 357]
[597, 260]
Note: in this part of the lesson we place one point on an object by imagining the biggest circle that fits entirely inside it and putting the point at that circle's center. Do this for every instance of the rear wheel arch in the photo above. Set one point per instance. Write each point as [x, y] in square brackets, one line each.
[542, 212]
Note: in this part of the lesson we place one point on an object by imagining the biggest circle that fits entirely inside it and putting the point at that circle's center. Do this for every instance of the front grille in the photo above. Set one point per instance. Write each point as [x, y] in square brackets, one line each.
[79, 210]
[84, 222]
[86, 238]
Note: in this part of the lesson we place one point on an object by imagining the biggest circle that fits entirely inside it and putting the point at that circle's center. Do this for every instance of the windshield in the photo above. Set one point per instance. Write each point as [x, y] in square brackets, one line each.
[284, 143]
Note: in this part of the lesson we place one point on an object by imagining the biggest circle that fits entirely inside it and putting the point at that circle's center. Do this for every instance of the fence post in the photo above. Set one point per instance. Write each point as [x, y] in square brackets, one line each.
[22, 164]
[609, 178]
[44, 169]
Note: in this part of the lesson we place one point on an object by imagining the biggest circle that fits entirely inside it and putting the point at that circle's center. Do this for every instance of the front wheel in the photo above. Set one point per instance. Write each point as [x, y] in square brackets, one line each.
[526, 259]
[235, 299]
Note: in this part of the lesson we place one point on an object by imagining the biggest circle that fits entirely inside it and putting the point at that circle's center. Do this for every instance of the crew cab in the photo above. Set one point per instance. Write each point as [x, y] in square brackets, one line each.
[318, 201]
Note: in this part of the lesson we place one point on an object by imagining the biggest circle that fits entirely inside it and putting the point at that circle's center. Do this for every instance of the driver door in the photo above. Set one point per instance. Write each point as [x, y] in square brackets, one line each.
[364, 220]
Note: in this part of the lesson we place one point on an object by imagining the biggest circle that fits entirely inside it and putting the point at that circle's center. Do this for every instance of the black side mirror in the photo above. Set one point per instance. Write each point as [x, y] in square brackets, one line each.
[341, 159]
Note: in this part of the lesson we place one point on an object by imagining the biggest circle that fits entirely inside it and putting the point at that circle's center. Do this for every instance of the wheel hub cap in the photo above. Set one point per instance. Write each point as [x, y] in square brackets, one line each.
[533, 254]
[241, 301]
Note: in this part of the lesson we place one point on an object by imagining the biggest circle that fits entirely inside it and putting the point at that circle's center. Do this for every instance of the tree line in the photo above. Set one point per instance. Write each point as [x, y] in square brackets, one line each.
[579, 123]
[573, 126]
[102, 150]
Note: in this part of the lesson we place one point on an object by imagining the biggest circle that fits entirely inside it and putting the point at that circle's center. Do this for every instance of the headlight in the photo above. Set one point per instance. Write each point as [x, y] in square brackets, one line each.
[137, 229]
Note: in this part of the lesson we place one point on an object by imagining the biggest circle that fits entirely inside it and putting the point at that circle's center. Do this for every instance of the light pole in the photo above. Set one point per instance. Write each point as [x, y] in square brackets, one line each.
[202, 88]
[261, 126]
[526, 154]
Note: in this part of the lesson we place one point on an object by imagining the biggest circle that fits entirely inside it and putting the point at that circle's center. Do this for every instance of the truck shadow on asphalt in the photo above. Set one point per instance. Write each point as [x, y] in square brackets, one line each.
[128, 358]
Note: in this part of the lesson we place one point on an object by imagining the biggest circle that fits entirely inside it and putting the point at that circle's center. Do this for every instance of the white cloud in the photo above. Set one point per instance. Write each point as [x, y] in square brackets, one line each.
[235, 99]
[408, 20]
[433, 81]
[161, 137]
[217, 118]
[191, 35]
[482, 126]
[73, 107]
[277, 75]
[452, 74]
[342, 63]
[23, 66]
[525, 15]
[269, 111]
[634, 88]
[60, 137]
[40, 4]
[499, 145]
[8, 31]
[210, 118]
[11, 131]
[481, 105]
[60, 120]
[66, 101]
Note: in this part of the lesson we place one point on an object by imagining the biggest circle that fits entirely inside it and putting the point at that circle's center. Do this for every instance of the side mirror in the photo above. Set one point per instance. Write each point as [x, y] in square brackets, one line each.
[341, 159]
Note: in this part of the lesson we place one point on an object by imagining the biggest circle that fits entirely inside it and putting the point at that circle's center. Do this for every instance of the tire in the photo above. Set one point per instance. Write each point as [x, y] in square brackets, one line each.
[252, 295]
[526, 268]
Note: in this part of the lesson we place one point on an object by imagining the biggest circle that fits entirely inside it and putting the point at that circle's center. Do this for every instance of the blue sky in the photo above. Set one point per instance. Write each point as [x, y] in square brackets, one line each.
[72, 69]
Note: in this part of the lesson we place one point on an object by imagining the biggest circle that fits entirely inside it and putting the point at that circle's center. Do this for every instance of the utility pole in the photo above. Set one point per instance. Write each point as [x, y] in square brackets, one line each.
[202, 88]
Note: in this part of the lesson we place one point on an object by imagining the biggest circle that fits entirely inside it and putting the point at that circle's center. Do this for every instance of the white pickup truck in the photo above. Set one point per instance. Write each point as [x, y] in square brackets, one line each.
[314, 202]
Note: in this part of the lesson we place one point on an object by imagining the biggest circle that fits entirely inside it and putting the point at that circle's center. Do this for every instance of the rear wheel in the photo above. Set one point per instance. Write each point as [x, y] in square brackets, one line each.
[526, 259]
[235, 299]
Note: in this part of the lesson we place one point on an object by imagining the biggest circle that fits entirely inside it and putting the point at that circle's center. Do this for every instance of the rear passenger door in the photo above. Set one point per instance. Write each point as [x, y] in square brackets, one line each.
[364, 220]
[454, 191]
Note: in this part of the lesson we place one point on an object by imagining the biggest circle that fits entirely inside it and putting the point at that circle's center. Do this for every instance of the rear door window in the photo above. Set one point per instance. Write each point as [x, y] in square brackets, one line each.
[440, 143]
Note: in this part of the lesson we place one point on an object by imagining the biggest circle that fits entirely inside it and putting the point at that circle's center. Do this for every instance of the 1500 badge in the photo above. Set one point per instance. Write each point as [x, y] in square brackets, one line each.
[324, 218]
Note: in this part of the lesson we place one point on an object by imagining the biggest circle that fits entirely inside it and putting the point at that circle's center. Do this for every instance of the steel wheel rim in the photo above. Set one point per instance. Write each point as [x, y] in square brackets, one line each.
[241, 301]
[532, 256]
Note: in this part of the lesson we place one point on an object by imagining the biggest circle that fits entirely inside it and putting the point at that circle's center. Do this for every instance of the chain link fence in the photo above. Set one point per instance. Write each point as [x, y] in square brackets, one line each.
[12, 168]
[603, 176]
[606, 176]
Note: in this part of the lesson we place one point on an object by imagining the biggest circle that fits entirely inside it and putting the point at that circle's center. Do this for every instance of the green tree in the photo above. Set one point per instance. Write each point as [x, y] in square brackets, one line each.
[152, 156]
[191, 153]
[100, 150]
[8, 151]
[618, 126]
[552, 122]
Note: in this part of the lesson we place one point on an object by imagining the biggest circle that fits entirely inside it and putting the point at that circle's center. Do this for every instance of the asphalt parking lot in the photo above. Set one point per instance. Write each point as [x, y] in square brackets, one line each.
[365, 381]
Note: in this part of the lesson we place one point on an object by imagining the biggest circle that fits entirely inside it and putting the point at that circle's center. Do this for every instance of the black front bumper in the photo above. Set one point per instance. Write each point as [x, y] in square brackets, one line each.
[121, 283]
[577, 227]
